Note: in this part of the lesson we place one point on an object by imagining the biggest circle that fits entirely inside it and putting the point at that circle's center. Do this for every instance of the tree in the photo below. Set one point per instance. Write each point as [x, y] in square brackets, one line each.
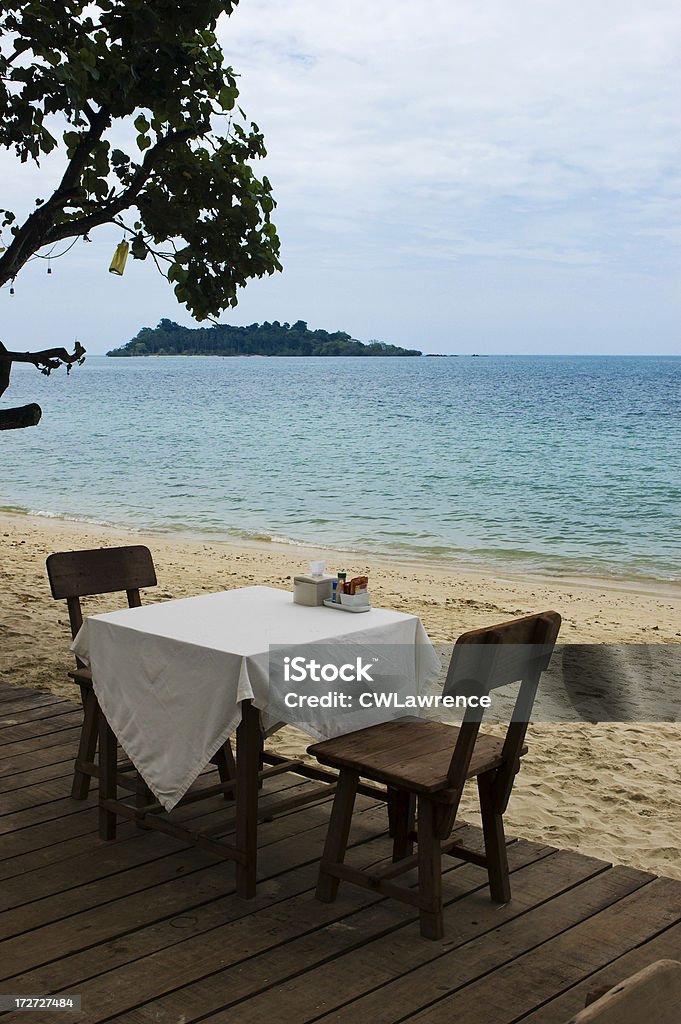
[184, 193]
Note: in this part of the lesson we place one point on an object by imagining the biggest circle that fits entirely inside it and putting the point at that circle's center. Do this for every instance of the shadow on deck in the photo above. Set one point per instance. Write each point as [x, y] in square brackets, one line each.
[144, 929]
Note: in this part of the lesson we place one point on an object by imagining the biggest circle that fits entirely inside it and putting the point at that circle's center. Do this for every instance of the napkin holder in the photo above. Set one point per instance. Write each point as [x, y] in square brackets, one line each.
[312, 590]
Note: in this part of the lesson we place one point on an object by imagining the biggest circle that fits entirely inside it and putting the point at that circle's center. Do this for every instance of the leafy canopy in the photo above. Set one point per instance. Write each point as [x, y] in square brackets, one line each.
[73, 75]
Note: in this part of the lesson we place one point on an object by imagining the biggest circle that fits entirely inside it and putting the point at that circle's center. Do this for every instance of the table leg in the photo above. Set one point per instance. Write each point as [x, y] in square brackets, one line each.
[108, 764]
[247, 767]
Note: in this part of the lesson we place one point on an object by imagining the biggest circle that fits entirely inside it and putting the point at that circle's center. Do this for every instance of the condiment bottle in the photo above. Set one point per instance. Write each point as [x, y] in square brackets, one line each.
[341, 585]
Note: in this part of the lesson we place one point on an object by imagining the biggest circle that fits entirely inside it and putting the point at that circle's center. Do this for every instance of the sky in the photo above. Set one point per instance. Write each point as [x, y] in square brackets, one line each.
[457, 176]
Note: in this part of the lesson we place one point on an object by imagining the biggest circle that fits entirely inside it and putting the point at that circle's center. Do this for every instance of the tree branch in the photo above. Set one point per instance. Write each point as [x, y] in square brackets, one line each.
[17, 53]
[31, 236]
[126, 198]
[46, 360]
[17, 419]
[71, 178]
[90, 111]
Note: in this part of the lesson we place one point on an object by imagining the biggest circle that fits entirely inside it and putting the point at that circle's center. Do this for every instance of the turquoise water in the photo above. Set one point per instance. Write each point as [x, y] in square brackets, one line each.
[547, 464]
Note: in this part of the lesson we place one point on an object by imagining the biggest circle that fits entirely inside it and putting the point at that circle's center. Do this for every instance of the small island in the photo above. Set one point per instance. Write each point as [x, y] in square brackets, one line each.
[267, 339]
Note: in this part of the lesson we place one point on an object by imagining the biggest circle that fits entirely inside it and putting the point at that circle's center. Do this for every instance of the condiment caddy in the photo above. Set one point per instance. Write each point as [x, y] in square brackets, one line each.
[333, 592]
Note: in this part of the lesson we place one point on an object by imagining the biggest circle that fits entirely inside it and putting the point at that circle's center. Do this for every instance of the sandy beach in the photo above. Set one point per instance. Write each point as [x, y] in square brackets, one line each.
[611, 791]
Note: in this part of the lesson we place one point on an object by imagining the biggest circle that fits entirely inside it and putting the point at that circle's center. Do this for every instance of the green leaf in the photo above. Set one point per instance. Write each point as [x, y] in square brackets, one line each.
[158, 68]
[227, 97]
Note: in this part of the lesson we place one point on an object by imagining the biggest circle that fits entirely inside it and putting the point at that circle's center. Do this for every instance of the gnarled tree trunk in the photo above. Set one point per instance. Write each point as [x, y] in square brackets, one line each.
[46, 361]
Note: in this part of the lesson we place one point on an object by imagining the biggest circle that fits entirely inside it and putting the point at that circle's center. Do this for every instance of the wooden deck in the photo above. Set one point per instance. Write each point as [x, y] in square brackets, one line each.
[145, 930]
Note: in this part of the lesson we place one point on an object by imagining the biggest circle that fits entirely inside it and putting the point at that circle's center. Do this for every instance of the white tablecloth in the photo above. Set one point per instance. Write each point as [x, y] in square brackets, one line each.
[169, 677]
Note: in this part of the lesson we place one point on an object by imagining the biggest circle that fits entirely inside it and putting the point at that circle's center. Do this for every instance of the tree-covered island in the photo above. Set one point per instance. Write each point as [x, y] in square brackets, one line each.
[267, 339]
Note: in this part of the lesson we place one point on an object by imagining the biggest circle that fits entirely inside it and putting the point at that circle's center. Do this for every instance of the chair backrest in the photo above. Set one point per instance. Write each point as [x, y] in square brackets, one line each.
[653, 993]
[517, 651]
[76, 574]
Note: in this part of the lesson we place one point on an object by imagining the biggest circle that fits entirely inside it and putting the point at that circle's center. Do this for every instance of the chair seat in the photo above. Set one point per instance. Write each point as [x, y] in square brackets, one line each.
[425, 764]
[408, 754]
[82, 676]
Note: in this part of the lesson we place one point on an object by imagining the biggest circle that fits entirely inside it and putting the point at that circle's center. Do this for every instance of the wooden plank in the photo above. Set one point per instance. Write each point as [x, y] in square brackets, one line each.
[39, 758]
[282, 861]
[33, 796]
[74, 894]
[45, 856]
[74, 873]
[260, 924]
[14, 731]
[198, 923]
[559, 1010]
[48, 876]
[146, 944]
[34, 858]
[33, 699]
[35, 777]
[43, 845]
[103, 917]
[17, 812]
[268, 949]
[404, 971]
[10, 692]
[215, 818]
[297, 921]
[18, 749]
[526, 981]
[17, 844]
[38, 715]
[93, 863]
[136, 878]
[456, 963]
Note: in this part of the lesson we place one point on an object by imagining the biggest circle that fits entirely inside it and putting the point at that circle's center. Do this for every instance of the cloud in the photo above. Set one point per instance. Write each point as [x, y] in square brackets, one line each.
[407, 140]
[529, 98]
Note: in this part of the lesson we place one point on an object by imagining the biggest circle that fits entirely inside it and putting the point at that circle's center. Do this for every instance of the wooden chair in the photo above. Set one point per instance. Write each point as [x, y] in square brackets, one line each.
[414, 759]
[652, 994]
[77, 574]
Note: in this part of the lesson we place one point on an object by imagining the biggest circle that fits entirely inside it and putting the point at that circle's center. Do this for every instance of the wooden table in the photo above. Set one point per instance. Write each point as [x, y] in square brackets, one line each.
[182, 675]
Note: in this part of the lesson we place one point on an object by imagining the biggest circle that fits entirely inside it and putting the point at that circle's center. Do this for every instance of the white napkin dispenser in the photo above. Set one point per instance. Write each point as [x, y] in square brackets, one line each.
[312, 590]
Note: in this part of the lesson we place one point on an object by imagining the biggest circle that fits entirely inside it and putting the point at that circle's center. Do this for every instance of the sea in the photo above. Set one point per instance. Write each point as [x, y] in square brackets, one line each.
[549, 465]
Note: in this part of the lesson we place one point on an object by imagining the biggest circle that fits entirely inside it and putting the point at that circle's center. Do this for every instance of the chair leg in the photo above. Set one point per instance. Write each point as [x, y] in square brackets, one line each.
[226, 765]
[430, 872]
[404, 815]
[87, 745]
[143, 797]
[337, 835]
[495, 841]
[108, 754]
